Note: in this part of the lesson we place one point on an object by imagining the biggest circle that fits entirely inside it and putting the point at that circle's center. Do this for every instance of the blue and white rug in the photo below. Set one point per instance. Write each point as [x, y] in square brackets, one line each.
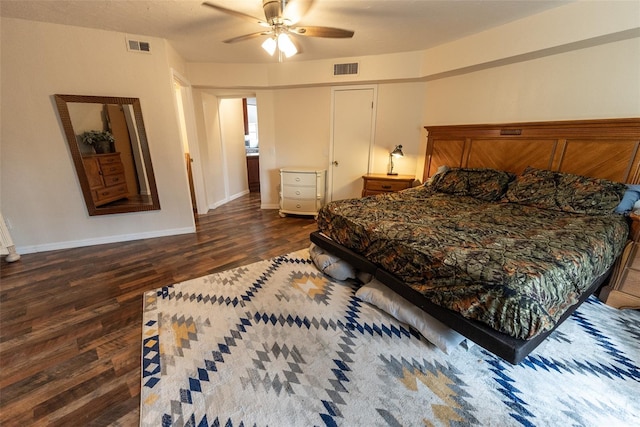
[277, 343]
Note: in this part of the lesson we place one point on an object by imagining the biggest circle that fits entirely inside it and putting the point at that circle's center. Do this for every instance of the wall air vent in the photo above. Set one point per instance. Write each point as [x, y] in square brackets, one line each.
[345, 69]
[138, 46]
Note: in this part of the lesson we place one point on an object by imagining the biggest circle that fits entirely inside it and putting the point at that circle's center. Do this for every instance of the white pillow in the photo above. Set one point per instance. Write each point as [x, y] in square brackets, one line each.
[432, 329]
[330, 264]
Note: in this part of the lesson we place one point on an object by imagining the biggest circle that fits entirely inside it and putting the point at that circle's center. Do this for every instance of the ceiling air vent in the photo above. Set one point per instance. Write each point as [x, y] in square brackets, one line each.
[345, 69]
[138, 46]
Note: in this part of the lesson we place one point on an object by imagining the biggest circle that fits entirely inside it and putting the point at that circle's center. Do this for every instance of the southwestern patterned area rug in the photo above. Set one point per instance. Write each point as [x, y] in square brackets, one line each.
[277, 343]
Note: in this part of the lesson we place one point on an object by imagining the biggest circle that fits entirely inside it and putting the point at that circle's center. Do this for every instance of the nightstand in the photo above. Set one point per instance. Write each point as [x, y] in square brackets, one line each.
[302, 191]
[623, 290]
[382, 183]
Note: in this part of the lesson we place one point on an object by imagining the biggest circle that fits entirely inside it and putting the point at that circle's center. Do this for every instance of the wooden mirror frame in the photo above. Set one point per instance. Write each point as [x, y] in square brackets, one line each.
[113, 208]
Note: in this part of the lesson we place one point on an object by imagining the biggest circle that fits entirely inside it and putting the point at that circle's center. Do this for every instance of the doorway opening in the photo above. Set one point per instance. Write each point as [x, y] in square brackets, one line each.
[240, 152]
[251, 143]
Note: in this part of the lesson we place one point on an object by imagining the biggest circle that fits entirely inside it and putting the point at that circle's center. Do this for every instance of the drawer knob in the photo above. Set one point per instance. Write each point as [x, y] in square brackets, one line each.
[386, 187]
[297, 193]
[297, 179]
[298, 206]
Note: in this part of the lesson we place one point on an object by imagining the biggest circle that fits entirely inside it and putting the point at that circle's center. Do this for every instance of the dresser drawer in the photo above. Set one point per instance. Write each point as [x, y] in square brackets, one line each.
[304, 179]
[623, 289]
[113, 169]
[634, 257]
[109, 160]
[385, 186]
[111, 192]
[110, 180]
[299, 205]
[631, 282]
[299, 192]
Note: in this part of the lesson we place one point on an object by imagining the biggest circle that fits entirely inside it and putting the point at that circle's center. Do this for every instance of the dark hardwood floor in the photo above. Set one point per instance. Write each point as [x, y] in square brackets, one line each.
[71, 320]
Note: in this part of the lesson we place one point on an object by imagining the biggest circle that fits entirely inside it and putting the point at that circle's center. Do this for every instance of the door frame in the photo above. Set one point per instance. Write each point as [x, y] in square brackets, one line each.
[192, 138]
[331, 124]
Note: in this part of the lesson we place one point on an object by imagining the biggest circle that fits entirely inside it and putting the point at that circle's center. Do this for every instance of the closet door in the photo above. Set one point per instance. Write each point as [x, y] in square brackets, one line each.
[352, 138]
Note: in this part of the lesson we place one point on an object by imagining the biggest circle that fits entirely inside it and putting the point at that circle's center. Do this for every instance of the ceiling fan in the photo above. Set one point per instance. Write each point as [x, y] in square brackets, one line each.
[281, 17]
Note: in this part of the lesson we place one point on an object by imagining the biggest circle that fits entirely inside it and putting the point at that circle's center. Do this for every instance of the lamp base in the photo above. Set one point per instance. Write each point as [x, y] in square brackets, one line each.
[392, 173]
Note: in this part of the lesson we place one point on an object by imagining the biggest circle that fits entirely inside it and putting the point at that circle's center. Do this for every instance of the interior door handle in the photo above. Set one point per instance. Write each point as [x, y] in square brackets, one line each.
[334, 163]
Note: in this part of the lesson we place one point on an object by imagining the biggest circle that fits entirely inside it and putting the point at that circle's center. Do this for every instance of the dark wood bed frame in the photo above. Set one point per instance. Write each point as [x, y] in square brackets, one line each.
[597, 148]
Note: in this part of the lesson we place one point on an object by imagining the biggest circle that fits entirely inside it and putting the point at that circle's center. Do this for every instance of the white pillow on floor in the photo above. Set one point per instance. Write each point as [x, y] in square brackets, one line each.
[432, 329]
[330, 264]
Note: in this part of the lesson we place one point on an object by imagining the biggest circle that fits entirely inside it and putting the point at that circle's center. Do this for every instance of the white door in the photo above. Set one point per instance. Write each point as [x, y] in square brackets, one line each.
[352, 137]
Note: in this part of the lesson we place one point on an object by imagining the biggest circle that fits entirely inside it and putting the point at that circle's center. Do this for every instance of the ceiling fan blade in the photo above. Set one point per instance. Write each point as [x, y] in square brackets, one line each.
[329, 32]
[296, 9]
[236, 13]
[247, 37]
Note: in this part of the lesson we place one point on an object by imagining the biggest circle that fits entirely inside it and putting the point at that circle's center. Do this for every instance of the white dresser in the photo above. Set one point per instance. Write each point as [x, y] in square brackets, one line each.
[302, 191]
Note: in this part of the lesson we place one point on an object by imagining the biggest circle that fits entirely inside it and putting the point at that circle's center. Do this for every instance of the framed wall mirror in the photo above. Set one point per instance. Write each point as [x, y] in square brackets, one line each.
[110, 151]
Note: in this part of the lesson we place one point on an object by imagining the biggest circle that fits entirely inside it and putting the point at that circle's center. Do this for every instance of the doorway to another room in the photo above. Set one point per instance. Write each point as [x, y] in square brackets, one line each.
[251, 144]
[239, 146]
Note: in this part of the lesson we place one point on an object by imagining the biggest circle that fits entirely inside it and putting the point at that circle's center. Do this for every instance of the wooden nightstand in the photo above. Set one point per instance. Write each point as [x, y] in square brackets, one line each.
[623, 290]
[381, 183]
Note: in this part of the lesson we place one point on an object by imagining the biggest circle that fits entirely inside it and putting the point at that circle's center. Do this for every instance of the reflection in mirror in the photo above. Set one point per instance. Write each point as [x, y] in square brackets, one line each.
[108, 143]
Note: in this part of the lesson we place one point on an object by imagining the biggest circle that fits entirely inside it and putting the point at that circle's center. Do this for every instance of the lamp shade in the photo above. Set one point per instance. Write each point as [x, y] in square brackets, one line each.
[286, 46]
[270, 45]
[397, 152]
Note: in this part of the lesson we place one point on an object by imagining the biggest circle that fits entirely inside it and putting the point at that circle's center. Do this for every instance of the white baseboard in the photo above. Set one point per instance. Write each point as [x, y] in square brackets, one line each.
[227, 200]
[238, 195]
[102, 240]
[217, 204]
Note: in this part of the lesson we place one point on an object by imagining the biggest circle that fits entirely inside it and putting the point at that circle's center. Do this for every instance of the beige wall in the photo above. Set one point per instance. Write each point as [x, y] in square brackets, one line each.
[40, 191]
[597, 82]
[302, 127]
[399, 121]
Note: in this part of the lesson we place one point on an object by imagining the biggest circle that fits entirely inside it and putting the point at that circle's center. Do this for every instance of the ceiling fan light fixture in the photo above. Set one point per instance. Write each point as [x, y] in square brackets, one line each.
[281, 17]
[286, 46]
[270, 45]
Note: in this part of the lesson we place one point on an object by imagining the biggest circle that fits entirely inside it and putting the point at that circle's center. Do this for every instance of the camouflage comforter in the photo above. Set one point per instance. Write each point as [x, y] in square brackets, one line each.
[514, 267]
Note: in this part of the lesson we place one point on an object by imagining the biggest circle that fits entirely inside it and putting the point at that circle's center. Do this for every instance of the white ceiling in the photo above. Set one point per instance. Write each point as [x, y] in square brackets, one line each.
[196, 31]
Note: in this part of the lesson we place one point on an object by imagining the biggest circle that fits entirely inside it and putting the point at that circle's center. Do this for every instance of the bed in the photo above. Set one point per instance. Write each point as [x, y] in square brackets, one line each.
[508, 242]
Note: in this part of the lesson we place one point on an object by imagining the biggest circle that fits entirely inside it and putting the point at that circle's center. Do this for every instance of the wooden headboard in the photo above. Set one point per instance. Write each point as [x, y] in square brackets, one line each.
[596, 148]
